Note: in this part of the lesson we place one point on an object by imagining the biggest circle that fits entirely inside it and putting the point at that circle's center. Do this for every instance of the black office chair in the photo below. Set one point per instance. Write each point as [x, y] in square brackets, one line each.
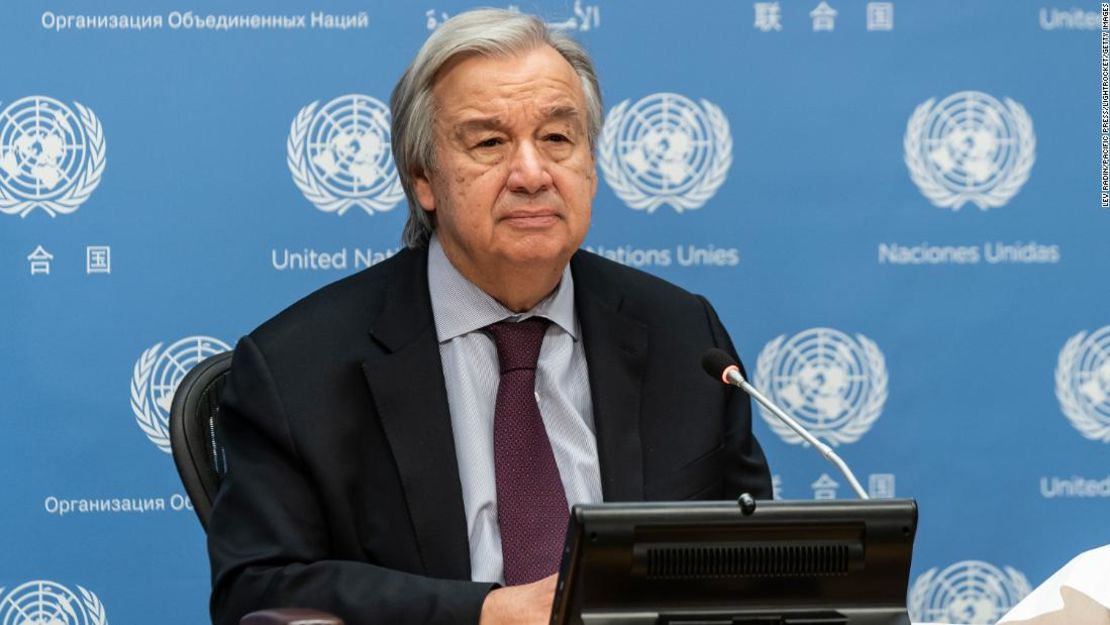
[194, 439]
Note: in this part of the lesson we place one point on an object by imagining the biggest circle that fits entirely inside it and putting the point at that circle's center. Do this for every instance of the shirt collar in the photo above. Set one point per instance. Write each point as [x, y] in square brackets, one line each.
[460, 307]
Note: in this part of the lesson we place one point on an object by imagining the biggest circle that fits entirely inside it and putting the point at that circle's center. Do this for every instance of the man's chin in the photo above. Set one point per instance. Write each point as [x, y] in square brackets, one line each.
[539, 252]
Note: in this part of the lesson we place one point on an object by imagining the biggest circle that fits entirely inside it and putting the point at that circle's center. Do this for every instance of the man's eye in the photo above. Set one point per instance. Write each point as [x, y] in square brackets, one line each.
[491, 142]
[557, 138]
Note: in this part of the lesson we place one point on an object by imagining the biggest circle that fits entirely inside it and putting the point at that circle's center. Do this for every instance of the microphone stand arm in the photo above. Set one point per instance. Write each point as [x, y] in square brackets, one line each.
[738, 380]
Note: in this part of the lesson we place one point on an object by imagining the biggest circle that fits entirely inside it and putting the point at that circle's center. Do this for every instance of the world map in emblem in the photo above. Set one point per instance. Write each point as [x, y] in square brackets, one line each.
[51, 157]
[1083, 383]
[833, 384]
[340, 155]
[156, 376]
[969, 147]
[665, 149]
[971, 591]
[43, 602]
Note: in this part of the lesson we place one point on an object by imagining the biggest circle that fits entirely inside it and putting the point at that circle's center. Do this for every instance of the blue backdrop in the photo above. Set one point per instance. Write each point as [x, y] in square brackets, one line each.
[894, 206]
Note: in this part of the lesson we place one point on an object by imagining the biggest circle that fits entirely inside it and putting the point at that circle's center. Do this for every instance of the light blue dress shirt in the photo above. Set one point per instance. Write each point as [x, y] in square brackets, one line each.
[471, 372]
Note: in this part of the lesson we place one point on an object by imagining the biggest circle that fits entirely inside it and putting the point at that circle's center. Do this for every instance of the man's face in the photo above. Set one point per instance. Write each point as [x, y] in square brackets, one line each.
[514, 175]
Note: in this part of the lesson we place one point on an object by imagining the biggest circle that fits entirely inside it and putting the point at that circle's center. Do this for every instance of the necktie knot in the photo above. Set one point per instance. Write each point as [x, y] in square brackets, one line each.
[518, 343]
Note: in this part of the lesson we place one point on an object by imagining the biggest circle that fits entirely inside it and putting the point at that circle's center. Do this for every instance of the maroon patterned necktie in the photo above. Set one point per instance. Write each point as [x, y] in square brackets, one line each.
[531, 505]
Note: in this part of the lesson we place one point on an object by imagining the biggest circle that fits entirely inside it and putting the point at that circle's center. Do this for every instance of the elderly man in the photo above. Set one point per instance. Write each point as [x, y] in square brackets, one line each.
[404, 445]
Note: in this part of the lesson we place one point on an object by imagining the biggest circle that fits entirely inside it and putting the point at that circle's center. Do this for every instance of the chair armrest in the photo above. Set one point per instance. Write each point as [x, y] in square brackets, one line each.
[290, 616]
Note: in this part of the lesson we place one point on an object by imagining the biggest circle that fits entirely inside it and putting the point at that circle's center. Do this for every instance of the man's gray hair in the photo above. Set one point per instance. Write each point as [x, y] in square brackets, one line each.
[484, 32]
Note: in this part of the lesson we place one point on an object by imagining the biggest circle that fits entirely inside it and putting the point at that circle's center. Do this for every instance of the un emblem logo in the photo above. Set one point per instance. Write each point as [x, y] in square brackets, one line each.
[969, 147]
[832, 384]
[50, 157]
[971, 592]
[1083, 383]
[665, 149]
[155, 378]
[43, 602]
[340, 155]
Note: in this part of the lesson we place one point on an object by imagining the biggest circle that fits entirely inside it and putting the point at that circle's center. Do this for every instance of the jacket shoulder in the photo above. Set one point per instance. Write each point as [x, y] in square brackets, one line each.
[599, 273]
[337, 306]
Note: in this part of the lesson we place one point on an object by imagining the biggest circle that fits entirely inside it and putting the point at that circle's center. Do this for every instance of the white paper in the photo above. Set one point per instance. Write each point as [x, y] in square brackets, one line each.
[1088, 573]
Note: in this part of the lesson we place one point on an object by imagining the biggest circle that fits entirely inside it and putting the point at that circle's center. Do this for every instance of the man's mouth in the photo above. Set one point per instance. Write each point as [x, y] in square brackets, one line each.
[531, 218]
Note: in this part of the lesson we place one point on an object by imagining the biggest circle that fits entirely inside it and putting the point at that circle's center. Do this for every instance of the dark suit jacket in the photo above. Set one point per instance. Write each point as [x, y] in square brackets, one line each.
[343, 491]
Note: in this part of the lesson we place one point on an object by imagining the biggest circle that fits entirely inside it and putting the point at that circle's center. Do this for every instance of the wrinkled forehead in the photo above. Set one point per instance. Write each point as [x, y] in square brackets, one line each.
[536, 83]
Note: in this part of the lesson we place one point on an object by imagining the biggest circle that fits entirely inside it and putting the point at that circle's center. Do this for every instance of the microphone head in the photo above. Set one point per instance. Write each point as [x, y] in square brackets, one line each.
[715, 361]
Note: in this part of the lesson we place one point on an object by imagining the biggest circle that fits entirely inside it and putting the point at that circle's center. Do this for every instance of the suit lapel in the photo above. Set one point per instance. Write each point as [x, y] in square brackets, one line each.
[409, 393]
[616, 351]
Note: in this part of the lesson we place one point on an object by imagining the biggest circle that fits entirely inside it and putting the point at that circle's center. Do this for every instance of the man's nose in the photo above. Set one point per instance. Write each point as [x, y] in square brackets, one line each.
[528, 171]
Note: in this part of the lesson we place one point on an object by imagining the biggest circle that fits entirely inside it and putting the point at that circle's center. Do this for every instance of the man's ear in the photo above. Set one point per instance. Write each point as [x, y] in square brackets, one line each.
[593, 177]
[423, 189]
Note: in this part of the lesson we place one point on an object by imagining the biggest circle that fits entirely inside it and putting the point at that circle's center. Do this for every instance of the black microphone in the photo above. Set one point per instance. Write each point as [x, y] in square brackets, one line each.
[720, 365]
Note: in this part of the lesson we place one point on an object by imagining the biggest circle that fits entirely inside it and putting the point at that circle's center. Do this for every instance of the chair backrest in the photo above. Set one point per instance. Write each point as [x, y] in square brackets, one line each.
[200, 460]
[194, 418]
